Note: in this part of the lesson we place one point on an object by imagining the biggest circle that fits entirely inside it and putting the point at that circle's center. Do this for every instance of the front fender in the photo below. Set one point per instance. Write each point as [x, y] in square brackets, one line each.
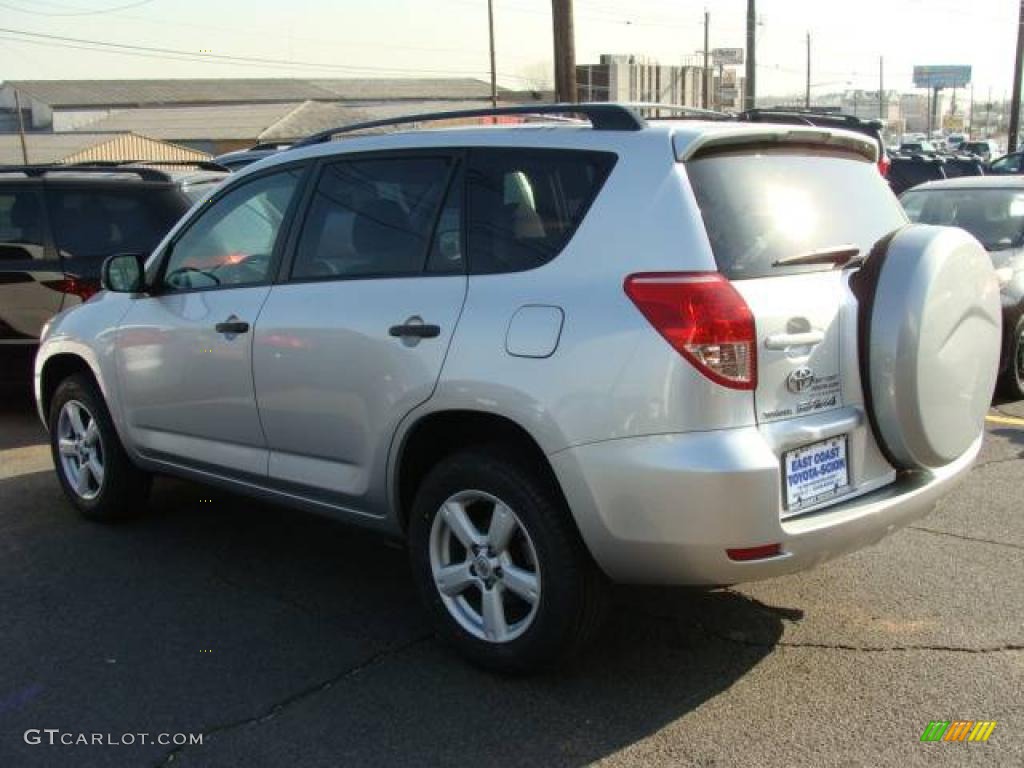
[87, 332]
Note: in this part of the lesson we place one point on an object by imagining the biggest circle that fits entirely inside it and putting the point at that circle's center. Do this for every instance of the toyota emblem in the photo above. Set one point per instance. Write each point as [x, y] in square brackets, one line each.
[800, 380]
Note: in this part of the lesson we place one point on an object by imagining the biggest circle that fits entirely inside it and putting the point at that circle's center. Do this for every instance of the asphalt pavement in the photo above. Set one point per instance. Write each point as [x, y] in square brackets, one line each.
[284, 639]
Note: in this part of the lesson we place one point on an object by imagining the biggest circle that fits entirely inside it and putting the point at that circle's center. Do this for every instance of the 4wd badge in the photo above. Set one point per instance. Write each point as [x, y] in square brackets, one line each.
[800, 380]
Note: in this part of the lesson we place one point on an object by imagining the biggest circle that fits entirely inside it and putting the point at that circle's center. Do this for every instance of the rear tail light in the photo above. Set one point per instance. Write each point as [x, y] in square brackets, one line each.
[76, 286]
[883, 164]
[704, 319]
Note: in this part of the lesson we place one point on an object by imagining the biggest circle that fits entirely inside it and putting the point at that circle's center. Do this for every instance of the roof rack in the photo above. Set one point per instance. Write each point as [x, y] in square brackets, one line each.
[202, 165]
[603, 116]
[752, 115]
[37, 171]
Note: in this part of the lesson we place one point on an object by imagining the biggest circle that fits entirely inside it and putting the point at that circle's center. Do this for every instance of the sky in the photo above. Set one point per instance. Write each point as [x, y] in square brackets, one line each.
[448, 38]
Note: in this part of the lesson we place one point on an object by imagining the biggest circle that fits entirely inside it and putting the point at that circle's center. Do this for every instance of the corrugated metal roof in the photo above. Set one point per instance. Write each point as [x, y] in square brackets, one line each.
[260, 122]
[84, 147]
[312, 117]
[225, 121]
[131, 93]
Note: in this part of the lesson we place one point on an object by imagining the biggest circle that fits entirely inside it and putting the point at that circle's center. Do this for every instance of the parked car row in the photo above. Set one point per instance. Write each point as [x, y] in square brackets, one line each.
[680, 351]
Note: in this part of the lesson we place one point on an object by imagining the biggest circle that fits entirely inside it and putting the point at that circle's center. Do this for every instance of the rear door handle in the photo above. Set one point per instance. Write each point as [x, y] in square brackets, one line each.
[415, 330]
[787, 340]
[232, 326]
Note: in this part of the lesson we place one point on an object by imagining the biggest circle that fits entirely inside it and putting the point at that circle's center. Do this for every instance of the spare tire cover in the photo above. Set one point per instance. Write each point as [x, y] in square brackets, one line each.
[933, 342]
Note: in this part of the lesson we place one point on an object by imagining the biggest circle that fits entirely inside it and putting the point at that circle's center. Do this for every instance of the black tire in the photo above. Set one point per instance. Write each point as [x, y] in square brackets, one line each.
[124, 488]
[1011, 383]
[574, 593]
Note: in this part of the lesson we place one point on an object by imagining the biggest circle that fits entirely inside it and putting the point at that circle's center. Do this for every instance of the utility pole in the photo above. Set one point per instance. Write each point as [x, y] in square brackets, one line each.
[881, 90]
[565, 51]
[706, 90]
[988, 114]
[807, 93]
[1011, 140]
[494, 74]
[21, 127]
[750, 86]
[970, 115]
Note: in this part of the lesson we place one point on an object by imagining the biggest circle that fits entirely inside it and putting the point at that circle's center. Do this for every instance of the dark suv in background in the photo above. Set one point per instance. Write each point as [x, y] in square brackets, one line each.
[821, 119]
[59, 222]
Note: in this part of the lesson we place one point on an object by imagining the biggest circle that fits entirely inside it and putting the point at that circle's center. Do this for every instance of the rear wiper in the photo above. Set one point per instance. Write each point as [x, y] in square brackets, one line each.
[839, 255]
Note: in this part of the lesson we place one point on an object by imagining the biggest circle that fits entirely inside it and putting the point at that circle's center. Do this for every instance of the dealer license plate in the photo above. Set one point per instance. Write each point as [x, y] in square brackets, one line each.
[815, 473]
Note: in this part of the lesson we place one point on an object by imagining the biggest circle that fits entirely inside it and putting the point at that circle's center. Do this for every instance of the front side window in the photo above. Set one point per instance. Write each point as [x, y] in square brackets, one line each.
[232, 242]
[372, 217]
[524, 204]
[21, 224]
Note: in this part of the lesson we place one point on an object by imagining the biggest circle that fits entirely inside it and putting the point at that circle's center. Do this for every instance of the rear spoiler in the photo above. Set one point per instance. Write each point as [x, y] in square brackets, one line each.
[689, 146]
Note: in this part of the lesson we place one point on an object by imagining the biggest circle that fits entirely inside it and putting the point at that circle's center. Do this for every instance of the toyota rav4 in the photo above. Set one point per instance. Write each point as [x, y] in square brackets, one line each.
[548, 356]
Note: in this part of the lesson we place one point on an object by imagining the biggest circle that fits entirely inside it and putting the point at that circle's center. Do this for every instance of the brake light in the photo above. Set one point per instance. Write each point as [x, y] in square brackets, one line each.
[76, 286]
[704, 319]
[883, 164]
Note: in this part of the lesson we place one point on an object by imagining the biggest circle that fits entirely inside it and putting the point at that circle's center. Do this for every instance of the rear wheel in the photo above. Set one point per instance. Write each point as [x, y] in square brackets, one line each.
[94, 471]
[1012, 384]
[499, 564]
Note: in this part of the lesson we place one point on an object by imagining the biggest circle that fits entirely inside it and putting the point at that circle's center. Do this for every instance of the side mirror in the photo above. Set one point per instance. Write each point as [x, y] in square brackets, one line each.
[124, 273]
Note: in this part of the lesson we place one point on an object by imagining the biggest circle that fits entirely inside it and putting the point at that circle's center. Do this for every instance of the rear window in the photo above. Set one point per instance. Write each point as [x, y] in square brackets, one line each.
[765, 205]
[93, 223]
[994, 216]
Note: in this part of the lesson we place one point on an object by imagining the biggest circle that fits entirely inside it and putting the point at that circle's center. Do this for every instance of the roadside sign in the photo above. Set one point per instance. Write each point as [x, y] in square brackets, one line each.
[727, 57]
[942, 76]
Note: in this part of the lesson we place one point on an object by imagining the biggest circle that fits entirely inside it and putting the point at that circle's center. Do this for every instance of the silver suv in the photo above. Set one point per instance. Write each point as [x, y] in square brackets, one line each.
[548, 356]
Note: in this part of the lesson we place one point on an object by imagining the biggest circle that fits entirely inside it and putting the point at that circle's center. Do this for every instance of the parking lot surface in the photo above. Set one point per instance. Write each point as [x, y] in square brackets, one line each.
[286, 639]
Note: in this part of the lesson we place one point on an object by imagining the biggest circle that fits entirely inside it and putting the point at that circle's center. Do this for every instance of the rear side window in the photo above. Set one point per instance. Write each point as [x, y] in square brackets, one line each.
[91, 223]
[525, 204]
[372, 218]
[21, 224]
[765, 205]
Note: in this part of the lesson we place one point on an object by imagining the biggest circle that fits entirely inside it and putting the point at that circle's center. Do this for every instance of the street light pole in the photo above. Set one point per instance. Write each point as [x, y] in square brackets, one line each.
[1011, 140]
[750, 86]
[807, 94]
[706, 90]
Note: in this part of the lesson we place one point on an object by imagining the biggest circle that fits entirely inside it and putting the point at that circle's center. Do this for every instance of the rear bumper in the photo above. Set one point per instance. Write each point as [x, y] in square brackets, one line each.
[663, 509]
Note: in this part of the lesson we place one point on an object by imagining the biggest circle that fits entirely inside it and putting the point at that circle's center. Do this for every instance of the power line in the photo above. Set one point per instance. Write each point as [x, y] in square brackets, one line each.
[83, 12]
[109, 47]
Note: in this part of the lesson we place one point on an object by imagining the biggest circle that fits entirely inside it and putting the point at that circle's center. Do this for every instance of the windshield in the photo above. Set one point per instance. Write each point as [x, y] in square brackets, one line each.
[762, 207]
[994, 216]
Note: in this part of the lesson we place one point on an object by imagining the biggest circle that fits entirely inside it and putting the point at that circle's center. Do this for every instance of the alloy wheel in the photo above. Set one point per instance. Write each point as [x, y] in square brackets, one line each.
[485, 566]
[80, 447]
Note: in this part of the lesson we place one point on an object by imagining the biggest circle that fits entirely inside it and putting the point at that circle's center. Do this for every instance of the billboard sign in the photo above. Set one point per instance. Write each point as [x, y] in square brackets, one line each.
[727, 57]
[942, 76]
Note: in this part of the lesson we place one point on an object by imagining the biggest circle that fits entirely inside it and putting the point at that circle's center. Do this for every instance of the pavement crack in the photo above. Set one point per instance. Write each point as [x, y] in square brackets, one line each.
[936, 532]
[744, 641]
[280, 706]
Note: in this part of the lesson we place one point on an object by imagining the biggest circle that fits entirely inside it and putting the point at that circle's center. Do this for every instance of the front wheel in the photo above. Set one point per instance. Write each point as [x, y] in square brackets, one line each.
[1013, 376]
[499, 564]
[94, 471]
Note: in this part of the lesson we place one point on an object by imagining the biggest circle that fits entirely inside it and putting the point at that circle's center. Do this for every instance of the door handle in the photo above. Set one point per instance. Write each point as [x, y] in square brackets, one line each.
[232, 326]
[415, 330]
[787, 340]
